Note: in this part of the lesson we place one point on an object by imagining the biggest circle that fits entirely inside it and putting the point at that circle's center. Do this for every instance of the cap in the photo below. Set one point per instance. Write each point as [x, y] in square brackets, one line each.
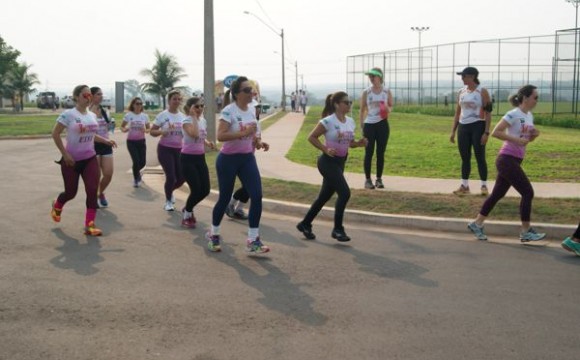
[469, 71]
[374, 72]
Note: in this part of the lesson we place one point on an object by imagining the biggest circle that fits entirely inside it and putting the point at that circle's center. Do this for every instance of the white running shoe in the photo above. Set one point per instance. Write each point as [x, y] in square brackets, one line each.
[169, 206]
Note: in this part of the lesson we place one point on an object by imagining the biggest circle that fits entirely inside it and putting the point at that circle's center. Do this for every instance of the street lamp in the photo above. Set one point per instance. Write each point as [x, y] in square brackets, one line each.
[281, 34]
[575, 3]
[420, 30]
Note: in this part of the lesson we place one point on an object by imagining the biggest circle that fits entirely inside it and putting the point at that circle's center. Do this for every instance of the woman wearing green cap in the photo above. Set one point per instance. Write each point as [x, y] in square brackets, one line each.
[375, 105]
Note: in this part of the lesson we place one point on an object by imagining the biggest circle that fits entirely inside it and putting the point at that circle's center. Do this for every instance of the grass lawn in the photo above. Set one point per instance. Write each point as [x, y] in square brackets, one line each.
[419, 146]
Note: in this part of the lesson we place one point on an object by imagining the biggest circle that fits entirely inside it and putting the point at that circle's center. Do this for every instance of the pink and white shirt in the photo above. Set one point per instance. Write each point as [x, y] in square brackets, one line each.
[338, 135]
[80, 133]
[136, 124]
[171, 124]
[194, 146]
[238, 121]
[521, 125]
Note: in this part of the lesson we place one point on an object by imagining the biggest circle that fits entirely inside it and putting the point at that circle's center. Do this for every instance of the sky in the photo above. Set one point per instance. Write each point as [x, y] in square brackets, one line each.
[97, 43]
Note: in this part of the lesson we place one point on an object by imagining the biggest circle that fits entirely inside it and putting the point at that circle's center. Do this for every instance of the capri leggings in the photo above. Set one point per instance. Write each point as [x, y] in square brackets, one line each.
[510, 173]
[169, 160]
[138, 151]
[244, 166]
[376, 133]
[469, 136]
[87, 169]
[196, 175]
[331, 169]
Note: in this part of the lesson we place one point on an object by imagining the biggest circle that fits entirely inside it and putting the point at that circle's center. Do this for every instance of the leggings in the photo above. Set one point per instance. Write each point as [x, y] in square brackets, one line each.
[244, 166]
[196, 174]
[241, 195]
[331, 169]
[510, 173]
[468, 136]
[169, 160]
[577, 232]
[87, 169]
[376, 133]
[138, 151]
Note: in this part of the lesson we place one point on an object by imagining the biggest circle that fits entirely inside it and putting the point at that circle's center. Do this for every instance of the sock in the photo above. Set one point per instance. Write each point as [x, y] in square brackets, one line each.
[233, 202]
[90, 215]
[240, 206]
[58, 205]
[187, 214]
[215, 230]
[483, 183]
[253, 233]
[465, 182]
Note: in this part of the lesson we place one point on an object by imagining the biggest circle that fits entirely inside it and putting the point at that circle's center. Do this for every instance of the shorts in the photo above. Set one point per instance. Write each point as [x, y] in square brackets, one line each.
[103, 149]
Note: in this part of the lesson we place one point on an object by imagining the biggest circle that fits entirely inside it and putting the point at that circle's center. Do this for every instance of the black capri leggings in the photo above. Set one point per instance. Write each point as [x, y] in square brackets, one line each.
[196, 175]
[469, 136]
[138, 151]
[376, 133]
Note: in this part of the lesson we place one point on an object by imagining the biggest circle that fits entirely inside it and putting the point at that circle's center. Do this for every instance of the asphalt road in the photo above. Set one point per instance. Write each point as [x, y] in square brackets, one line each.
[149, 289]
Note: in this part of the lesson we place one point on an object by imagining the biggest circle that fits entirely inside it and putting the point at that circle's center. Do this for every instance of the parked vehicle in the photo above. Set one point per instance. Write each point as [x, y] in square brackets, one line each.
[47, 100]
[67, 102]
[106, 103]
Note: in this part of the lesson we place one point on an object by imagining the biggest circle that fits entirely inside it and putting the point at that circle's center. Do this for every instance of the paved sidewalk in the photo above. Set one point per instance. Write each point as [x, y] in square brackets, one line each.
[280, 136]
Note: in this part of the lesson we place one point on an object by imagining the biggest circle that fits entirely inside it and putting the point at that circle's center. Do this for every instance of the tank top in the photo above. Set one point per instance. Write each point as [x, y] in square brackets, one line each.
[374, 104]
[471, 103]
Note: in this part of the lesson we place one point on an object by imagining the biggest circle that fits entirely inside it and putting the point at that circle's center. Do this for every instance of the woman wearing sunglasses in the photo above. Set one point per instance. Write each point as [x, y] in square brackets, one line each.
[168, 125]
[193, 163]
[136, 125]
[517, 130]
[79, 156]
[239, 131]
[338, 131]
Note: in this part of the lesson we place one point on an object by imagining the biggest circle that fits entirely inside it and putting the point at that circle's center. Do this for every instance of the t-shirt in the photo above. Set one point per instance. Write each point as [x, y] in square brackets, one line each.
[194, 146]
[171, 124]
[136, 124]
[338, 135]
[471, 103]
[80, 133]
[103, 126]
[520, 126]
[374, 104]
[238, 121]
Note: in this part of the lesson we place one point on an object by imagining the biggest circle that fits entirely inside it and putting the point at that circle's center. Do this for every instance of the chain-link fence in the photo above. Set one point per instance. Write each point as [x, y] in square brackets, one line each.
[427, 75]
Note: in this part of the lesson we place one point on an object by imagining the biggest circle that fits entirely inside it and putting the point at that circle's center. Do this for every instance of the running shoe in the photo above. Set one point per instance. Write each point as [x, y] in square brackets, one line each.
[188, 223]
[103, 201]
[240, 214]
[571, 245]
[136, 183]
[462, 190]
[369, 184]
[55, 213]
[477, 231]
[91, 230]
[306, 230]
[484, 191]
[531, 235]
[379, 184]
[340, 235]
[213, 242]
[230, 210]
[169, 206]
[256, 246]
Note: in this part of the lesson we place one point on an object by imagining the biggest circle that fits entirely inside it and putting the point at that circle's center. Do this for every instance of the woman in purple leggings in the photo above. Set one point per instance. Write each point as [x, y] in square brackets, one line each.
[517, 129]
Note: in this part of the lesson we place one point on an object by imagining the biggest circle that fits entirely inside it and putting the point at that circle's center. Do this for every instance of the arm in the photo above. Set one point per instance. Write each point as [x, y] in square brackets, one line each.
[363, 109]
[56, 132]
[314, 136]
[499, 132]
[124, 127]
[224, 135]
[192, 129]
[102, 140]
[389, 101]
[486, 102]
[156, 131]
[455, 120]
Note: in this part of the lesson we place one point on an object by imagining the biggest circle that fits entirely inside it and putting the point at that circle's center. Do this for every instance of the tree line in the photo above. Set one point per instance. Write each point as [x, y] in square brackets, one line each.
[16, 79]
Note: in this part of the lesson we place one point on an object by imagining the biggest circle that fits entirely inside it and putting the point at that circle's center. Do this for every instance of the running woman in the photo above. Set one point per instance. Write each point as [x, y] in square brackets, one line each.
[338, 131]
[517, 130]
[239, 131]
[79, 156]
[136, 125]
[572, 243]
[193, 162]
[375, 106]
[472, 122]
[104, 151]
[168, 125]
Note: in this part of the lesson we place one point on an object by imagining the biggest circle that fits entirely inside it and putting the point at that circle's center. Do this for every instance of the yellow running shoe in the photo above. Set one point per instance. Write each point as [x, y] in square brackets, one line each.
[55, 213]
[92, 230]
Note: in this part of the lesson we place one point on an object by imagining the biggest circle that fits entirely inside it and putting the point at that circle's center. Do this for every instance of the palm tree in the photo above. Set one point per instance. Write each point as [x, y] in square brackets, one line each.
[21, 81]
[164, 75]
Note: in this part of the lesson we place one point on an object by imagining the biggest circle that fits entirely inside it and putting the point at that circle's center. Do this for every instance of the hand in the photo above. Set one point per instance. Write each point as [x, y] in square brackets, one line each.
[330, 152]
[523, 141]
[484, 139]
[112, 143]
[262, 145]
[124, 129]
[452, 137]
[68, 160]
[363, 141]
[210, 145]
[250, 129]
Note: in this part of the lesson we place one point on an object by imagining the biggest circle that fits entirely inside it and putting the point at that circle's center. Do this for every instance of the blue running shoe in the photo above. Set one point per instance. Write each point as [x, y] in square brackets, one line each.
[477, 231]
[256, 246]
[571, 246]
[531, 235]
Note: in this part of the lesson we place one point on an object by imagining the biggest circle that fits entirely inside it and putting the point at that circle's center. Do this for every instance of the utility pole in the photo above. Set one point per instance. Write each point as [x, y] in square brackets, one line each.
[209, 70]
[420, 30]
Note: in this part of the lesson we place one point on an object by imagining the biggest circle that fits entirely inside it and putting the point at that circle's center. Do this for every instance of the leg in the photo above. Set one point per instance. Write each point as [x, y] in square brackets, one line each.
[179, 179]
[165, 157]
[142, 155]
[227, 169]
[91, 181]
[343, 192]
[134, 152]
[192, 179]
[326, 191]
[106, 166]
[464, 145]
[382, 138]
[370, 133]
[479, 150]
[501, 187]
[71, 185]
[251, 181]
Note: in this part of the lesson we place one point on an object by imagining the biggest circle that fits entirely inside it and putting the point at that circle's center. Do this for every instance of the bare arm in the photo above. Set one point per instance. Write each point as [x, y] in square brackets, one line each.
[56, 132]
[499, 132]
[455, 120]
[363, 108]
[314, 136]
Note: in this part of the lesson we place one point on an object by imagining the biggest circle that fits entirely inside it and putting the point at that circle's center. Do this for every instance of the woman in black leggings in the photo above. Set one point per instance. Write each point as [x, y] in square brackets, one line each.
[472, 122]
[136, 125]
[338, 131]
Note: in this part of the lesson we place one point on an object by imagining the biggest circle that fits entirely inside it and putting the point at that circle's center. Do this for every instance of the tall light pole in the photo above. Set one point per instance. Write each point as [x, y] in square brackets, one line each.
[420, 30]
[295, 69]
[281, 34]
[575, 3]
[209, 70]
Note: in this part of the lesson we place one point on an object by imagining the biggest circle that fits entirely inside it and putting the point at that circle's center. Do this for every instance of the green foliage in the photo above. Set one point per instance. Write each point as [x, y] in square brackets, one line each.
[163, 76]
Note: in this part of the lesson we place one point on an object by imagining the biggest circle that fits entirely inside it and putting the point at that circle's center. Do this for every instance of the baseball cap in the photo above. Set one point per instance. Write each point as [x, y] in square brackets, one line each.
[375, 72]
[469, 71]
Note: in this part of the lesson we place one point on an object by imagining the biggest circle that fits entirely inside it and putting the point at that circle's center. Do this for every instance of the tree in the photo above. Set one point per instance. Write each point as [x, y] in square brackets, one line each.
[8, 56]
[132, 89]
[21, 81]
[164, 75]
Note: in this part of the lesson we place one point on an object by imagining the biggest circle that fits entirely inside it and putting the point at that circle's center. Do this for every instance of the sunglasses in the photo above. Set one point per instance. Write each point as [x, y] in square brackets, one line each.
[536, 97]
[87, 95]
[247, 90]
[138, 103]
[199, 106]
[347, 102]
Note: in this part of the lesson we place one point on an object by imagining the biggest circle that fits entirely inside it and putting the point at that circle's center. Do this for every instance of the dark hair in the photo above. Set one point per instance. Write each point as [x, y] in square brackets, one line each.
[94, 90]
[227, 99]
[172, 93]
[131, 106]
[331, 101]
[189, 103]
[524, 91]
[236, 87]
[78, 90]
